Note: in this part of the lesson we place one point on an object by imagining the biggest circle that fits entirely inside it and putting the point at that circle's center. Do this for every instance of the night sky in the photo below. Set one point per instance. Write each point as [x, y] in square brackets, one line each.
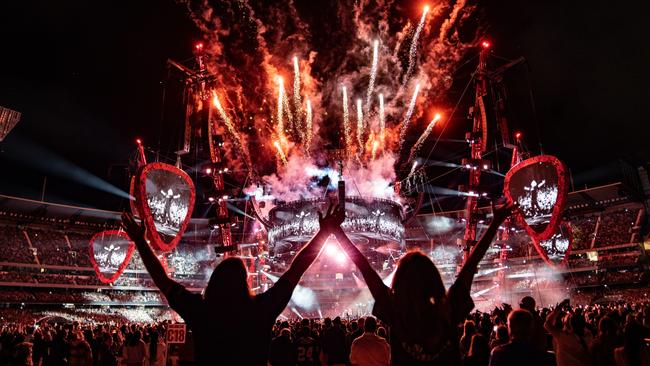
[87, 76]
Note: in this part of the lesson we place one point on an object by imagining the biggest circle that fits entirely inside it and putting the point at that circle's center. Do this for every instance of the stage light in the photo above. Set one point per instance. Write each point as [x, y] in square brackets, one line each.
[211, 199]
[208, 171]
[485, 44]
[225, 170]
[485, 167]
[426, 8]
[138, 141]
[199, 46]
[330, 250]
[518, 135]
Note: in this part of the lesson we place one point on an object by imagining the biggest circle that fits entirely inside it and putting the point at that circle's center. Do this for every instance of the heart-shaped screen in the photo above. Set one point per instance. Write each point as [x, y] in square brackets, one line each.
[538, 185]
[556, 249]
[110, 252]
[165, 200]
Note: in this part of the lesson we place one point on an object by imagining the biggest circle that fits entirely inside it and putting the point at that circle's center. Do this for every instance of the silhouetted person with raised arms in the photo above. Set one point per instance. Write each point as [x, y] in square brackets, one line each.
[231, 326]
[423, 316]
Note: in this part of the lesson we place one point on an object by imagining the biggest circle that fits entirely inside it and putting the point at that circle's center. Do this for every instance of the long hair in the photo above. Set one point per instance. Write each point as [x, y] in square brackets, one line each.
[228, 285]
[419, 293]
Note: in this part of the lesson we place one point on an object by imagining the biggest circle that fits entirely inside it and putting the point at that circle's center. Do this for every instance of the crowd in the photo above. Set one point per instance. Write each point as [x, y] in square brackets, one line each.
[614, 334]
[78, 344]
[616, 227]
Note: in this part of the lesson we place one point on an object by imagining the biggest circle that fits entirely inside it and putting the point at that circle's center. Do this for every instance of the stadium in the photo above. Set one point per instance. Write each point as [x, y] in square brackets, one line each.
[346, 183]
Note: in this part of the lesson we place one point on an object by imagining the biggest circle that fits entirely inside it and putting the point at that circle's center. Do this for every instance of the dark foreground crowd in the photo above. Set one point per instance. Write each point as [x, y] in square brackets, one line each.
[600, 335]
[75, 344]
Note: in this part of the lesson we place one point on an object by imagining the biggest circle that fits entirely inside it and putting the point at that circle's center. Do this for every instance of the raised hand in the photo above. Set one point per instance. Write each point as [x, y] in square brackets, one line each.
[134, 230]
[333, 218]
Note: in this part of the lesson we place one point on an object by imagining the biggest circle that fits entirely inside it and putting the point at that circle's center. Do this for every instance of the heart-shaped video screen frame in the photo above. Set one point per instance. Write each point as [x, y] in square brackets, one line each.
[556, 250]
[539, 185]
[111, 237]
[165, 204]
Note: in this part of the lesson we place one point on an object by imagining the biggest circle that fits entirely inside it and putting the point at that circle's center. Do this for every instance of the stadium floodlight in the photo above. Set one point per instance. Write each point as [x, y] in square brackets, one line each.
[8, 120]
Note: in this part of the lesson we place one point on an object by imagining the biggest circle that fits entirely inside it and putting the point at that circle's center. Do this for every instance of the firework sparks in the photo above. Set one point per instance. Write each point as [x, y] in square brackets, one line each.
[346, 118]
[280, 123]
[375, 145]
[287, 113]
[255, 64]
[359, 126]
[414, 44]
[296, 95]
[281, 154]
[373, 73]
[382, 118]
[231, 130]
[409, 113]
[423, 137]
[308, 127]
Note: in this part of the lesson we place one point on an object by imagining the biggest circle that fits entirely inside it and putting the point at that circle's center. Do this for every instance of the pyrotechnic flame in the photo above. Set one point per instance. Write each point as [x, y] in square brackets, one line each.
[283, 157]
[373, 73]
[309, 132]
[359, 126]
[296, 95]
[407, 116]
[375, 145]
[414, 45]
[423, 137]
[346, 118]
[382, 119]
[231, 130]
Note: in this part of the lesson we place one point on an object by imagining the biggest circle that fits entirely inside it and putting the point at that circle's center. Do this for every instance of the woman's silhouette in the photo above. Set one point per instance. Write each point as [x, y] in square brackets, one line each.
[230, 325]
[422, 315]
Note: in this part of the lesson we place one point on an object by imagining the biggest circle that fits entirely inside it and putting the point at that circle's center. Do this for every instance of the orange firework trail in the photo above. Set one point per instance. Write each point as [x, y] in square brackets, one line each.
[375, 145]
[287, 112]
[414, 45]
[373, 73]
[346, 118]
[231, 130]
[296, 84]
[359, 125]
[423, 137]
[407, 116]
[283, 157]
[296, 97]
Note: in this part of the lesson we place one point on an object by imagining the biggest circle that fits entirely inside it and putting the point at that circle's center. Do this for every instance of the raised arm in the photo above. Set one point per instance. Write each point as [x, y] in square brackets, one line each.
[333, 218]
[466, 275]
[376, 286]
[151, 263]
[551, 318]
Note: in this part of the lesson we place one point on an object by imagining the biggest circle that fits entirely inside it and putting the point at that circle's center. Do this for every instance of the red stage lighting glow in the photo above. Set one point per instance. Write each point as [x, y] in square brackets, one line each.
[485, 44]
[208, 170]
[518, 135]
[138, 141]
[199, 46]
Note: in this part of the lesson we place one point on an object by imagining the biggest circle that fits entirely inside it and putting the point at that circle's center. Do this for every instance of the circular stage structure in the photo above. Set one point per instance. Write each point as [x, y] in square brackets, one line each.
[371, 223]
